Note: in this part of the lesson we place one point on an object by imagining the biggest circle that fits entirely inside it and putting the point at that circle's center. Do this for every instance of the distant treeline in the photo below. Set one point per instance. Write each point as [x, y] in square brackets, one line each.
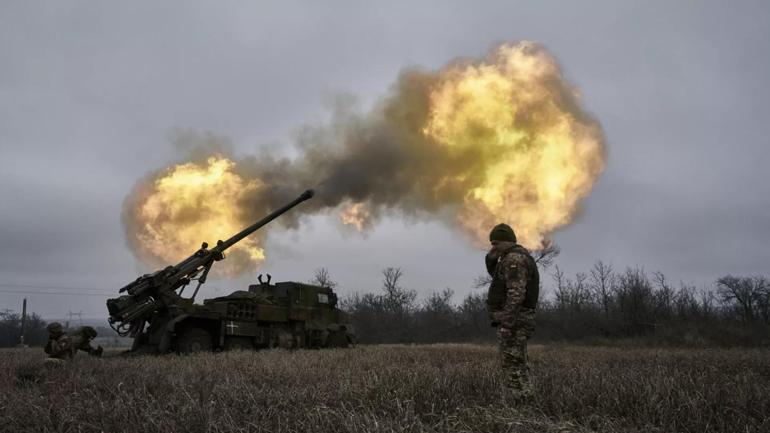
[35, 333]
[599, 305]
[596, 306]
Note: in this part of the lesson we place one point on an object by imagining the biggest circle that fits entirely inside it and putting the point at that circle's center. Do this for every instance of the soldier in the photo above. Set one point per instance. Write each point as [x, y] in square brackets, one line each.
[59, 344]
[62, 346]
[81, 340]
[511, 303]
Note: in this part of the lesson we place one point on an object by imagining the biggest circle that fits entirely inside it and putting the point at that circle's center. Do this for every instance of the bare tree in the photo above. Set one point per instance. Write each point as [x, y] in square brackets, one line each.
[664, 296]
[473, 310]
[390, 281]
[562, 295]
[545, 256]
[635, 300]
[35, 333]
[763, 297]
[440, 303]
[741, 293]
[482, 281]
[579, 293]
[685, 303]
[397, 298]
[603, 284]
[323, 279]
[707, 299]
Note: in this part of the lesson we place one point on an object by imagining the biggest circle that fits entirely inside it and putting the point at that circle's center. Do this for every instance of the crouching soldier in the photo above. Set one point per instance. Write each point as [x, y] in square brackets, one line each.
[59, 345]
[63, 347]
[81, 340]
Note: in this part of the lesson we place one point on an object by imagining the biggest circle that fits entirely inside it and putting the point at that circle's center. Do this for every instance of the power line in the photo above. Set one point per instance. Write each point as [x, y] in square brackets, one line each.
[38, 292]
[32, 286]
[51, 290]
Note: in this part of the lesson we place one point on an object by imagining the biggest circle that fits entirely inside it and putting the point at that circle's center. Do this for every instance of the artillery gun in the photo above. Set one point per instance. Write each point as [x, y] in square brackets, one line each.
[288, 314]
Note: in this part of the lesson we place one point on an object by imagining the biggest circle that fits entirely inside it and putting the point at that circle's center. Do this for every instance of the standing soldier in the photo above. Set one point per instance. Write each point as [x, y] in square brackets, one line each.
[511, 303]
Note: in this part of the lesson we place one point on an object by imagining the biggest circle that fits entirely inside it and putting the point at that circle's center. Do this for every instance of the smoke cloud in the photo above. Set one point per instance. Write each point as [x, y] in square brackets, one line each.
[478, 142]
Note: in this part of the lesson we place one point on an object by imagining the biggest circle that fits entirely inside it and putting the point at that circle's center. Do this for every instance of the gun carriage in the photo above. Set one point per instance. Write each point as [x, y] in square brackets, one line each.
[160, 319]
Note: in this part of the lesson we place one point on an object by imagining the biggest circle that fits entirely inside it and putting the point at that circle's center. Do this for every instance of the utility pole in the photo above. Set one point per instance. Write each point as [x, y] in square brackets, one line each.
[23, 322]
[70, 315]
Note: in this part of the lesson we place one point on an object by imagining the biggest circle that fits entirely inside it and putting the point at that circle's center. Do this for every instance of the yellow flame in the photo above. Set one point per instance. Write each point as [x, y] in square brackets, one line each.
[356, 215]
[192, 203]
[504, 140]
[538, 158]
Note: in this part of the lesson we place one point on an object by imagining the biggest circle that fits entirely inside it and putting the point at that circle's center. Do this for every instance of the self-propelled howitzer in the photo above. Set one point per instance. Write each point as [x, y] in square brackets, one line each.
[159, 319]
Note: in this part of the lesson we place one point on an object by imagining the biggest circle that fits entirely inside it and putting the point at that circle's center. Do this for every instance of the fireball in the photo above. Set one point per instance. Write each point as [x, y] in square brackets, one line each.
[474, 144]
[192, 203]
[537, 156]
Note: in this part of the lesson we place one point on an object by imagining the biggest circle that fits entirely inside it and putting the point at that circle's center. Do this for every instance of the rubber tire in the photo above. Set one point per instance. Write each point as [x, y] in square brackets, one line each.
[194, 340]
[337, 339]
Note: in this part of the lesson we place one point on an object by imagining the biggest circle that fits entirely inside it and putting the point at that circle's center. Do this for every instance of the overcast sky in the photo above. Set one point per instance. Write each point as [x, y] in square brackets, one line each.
[91, 92]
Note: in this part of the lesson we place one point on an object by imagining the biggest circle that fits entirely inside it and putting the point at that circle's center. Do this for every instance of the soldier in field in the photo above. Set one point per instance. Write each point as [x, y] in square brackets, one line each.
[511, 303]
[63, 347]
[81, 340]
[59, 345]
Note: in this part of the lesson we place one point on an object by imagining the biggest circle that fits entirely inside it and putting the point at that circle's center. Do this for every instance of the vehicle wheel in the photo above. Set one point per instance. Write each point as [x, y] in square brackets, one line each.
[282, 338]
[337, 339]
[139, 341]
[193, 340]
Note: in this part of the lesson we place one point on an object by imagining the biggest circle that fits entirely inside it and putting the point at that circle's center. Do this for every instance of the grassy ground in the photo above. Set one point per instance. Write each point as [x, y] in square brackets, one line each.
[454, 388]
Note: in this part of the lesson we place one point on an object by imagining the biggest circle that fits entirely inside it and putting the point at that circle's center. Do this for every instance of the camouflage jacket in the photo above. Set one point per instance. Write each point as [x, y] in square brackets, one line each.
[59, 347]
[515, 283]
[66, 346]
[80, 342]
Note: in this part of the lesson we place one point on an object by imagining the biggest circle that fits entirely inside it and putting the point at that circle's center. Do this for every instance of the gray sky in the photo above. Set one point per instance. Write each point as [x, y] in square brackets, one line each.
[90, 93]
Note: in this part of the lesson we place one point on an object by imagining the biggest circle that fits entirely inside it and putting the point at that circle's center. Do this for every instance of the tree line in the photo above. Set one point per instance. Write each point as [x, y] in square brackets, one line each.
[595, 306]
[598, 305]
[35, 333]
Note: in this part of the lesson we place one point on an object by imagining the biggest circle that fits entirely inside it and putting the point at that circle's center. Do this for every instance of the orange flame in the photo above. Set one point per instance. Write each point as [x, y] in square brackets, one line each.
[356, 215]
[192, 203]
[498, 140]
[538, 159]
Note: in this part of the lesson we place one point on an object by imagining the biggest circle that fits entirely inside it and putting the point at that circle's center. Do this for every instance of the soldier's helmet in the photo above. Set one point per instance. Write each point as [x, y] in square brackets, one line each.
[55, 328]
[86, 332]
[502, 232]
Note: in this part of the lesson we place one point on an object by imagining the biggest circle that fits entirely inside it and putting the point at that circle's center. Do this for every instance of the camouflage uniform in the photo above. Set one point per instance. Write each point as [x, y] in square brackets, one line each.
[81, 340]
[515, 275]
[59, 344]
[63, 346]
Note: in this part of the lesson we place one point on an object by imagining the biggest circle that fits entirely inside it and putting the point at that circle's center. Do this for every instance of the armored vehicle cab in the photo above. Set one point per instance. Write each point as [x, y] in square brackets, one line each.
[286, 314]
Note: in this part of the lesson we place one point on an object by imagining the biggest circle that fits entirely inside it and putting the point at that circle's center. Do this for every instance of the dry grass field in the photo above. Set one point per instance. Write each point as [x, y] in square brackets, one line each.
[451, 388]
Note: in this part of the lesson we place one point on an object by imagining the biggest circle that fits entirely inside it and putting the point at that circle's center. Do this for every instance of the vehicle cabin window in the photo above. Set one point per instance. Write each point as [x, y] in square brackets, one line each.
[323, 298]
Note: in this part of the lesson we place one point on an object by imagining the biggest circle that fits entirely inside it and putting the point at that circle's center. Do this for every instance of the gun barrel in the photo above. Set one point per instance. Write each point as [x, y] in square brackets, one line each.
[257, 225]
[145, 295]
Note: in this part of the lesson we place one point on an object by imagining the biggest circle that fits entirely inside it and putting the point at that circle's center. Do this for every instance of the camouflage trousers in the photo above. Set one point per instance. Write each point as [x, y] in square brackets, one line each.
[513, 350]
